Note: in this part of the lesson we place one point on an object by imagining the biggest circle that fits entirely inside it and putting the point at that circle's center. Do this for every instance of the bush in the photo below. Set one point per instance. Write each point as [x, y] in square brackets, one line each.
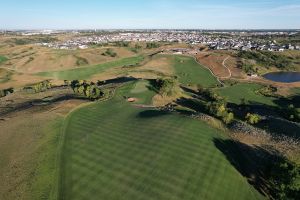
[89, 90]
[218, 108]
[285, 179]
[267, 59]
[253, 118]
[152, 45]
[268, 91]
[165, 87]
[122, 44]
[292, 113]
[38, 87]
[81, 61]
[109, 52]
[5, 92]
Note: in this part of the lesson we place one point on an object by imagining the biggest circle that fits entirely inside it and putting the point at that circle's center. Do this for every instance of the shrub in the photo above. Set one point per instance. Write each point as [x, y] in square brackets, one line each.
[253, 118]
[268, 91]
[285, 179]
[152, 45]
[89, 90]
[219, 109]
[39, 87]
[109, 52]
[5, 92]
[266, 58]
[165, 87]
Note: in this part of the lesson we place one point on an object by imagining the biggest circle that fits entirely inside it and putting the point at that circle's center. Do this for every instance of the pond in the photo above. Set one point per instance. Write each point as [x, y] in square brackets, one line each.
[284, 77]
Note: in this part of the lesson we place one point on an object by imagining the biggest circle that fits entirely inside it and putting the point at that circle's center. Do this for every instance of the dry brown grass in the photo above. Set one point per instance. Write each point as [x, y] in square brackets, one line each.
[159, 64]
[232, 64]
[287, 148]
[20, 80]
[214, 61]
[32, 58]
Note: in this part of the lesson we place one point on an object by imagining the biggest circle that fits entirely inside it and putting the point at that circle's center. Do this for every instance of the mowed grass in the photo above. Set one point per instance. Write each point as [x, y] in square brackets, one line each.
[114, 150]
[247, 91]
[86, 72]
[192, 73]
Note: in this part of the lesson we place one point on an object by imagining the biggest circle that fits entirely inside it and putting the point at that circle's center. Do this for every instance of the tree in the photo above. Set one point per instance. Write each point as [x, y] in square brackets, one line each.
[293, 113]
[152, 45]
[285, 179]
[219, 109]
[81, 90]
[253, 118]
[67, 82]
[86, 89]
[228, 117]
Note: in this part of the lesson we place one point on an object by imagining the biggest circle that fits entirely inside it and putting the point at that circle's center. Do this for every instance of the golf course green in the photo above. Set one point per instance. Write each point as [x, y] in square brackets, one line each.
[118, 150]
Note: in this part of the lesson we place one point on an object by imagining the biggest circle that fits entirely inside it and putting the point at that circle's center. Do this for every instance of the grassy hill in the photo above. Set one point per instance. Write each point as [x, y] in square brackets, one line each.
[115, 150]
[246, 91]
[190, 72]
[87, 72]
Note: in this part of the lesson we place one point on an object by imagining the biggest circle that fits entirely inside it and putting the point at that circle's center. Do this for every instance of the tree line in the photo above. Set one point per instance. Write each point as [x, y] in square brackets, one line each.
[265, 58]
[38, 87]
[84, 88]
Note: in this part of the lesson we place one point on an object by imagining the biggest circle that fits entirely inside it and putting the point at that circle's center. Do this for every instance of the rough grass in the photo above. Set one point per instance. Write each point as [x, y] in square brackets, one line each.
[237, 92]
[191, 73]
[5, 75]
[87, 72]
[114, 150]
[28, 164]
[3, 59]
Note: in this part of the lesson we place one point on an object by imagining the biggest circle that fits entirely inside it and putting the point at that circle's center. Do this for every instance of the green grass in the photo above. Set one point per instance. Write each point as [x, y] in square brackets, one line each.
[44, 183]
[295, 91]
[114, 150]
[3, 59]
[86, 72]
[235, 93]
[191, 72]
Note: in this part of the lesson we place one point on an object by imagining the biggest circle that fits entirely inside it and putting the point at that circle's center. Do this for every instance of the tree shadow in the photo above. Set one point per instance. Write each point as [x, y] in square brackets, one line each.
[191, 103]
[284, 102]
[116, 81]
[153, 85]
[40, 102]
[274, 117]
[152, 113]
[281, 127]
[252, 162]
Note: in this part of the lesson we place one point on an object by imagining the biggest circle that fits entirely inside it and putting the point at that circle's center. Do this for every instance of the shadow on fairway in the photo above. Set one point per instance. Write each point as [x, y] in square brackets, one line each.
[194, 104]
[249, 161]
[152, 113]
[258, 165]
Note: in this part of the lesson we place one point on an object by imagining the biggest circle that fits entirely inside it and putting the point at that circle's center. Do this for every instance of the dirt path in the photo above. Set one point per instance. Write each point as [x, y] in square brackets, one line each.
[217, 77]
[229, 71]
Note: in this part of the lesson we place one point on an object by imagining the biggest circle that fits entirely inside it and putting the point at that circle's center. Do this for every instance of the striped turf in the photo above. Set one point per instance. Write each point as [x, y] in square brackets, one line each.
[114, 150]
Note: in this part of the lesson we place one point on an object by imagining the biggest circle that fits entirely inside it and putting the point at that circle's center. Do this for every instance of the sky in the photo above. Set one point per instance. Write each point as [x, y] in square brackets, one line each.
[149, 14]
